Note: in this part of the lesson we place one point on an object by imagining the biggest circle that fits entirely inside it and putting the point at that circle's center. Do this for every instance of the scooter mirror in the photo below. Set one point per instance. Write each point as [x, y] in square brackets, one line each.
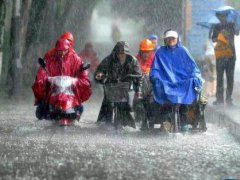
[42, 62]
[85, 66]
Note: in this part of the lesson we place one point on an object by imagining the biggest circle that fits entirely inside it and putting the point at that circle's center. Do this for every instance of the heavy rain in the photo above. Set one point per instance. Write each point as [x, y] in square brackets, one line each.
[126, 124]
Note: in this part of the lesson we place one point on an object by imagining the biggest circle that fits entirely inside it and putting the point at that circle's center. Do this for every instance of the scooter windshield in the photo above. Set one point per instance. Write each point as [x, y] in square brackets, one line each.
[62, 84]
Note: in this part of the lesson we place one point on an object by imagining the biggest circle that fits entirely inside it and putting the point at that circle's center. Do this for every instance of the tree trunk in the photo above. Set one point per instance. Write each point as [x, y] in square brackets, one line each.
[25, 11]
[2, 18]
[51, 18]
[15, 44]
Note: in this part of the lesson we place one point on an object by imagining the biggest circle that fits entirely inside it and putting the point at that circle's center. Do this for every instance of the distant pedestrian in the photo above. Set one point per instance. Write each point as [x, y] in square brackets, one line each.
[154, 39]
[209, 70]
[223, 34]
[88, 54]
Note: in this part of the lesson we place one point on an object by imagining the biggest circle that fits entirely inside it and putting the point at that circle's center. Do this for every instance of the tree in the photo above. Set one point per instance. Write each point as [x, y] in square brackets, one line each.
[16, 69]
[47, 21]
[158, 15]
[2, 18]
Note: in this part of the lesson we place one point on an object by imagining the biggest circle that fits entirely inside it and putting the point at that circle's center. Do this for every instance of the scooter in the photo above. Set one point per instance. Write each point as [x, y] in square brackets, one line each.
[62, 104]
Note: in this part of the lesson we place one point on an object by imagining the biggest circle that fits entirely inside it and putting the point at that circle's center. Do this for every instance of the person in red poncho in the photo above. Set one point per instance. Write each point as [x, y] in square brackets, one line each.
[64, 61]
[143, 109]
[66, 35]
[90, 55]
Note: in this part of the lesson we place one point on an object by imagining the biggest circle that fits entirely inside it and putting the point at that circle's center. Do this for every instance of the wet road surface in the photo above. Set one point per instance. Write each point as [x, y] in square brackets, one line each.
[31, 149]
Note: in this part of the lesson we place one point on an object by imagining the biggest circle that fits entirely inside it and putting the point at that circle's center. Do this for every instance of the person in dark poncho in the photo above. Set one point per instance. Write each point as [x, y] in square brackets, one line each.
[116, 66]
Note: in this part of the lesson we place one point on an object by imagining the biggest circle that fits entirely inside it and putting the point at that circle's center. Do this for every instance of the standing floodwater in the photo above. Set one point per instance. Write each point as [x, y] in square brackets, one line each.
[31, 149]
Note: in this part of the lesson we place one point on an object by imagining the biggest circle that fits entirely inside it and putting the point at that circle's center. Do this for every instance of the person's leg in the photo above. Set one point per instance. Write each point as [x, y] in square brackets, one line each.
[208, 84]
[183, 110]
[42, 110]
[139, 110]
[230, 66]
[220, 72]
[212, 75]
[214, 86]
[106, 112]
[125, 115]
[208, 88]
[145, 115]
[79, 111]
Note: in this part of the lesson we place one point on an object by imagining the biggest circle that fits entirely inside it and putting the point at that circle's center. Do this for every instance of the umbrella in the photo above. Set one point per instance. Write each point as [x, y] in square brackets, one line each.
[223, 9]
[209, 21]
[233, 16]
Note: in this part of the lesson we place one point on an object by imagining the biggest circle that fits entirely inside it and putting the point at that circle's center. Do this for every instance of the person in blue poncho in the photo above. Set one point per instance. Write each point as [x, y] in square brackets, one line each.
[175, 75]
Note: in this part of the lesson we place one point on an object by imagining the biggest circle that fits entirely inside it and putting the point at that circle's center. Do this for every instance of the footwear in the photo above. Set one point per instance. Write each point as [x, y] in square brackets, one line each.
[130, 124]
[184, 128]
[144, 126]
[218, 102]
[230, 103]
[165, 127]
[78, 116]
[151, 126]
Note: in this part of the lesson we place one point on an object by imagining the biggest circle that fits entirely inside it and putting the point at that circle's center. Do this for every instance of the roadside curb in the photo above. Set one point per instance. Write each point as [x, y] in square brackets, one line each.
[224, 119]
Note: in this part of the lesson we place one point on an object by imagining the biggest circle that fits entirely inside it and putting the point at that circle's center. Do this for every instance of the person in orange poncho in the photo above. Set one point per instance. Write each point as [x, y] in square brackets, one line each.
[145, 58]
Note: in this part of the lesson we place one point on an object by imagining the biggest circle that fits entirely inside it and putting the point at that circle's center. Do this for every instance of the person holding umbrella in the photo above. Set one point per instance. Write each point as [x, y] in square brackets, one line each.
[223, 34]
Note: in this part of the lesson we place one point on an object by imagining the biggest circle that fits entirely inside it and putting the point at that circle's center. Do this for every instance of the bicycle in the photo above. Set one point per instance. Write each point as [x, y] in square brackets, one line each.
[118, 95]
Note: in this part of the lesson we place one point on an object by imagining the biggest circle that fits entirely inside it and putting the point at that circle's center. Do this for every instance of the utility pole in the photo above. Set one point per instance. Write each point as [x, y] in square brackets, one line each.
[184, 21]
[15, 44]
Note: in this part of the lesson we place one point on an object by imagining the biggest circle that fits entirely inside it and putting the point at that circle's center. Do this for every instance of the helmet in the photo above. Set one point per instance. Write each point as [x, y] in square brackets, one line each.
[67, 35]
[146, 45]
[62, 45]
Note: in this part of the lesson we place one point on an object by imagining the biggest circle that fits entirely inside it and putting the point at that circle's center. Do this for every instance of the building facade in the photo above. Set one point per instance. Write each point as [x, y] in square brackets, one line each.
[198, 11]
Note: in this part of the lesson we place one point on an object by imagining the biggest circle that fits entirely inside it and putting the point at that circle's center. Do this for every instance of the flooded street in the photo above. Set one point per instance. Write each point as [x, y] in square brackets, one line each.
[31, 149]
[181, 54]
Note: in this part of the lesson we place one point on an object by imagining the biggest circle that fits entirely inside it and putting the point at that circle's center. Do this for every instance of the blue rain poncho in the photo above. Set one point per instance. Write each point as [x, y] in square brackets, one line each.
[175, 76]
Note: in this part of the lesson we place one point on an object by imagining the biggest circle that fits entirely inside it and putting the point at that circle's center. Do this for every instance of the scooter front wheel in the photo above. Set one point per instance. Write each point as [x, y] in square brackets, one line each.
[65, 122]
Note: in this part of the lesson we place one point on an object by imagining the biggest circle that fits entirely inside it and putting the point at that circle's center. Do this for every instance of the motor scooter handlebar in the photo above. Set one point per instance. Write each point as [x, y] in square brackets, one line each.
[85, 66]
[42, 63]
[132, 76]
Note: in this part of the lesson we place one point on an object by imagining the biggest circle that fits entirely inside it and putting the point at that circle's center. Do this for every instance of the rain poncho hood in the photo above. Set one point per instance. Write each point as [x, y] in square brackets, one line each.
[121, 47]
[175, 76]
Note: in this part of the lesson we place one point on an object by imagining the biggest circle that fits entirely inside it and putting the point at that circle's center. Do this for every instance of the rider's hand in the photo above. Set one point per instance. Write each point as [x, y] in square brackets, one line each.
[146, 74]
[99, 76]
[152, 79]
[139, 95]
